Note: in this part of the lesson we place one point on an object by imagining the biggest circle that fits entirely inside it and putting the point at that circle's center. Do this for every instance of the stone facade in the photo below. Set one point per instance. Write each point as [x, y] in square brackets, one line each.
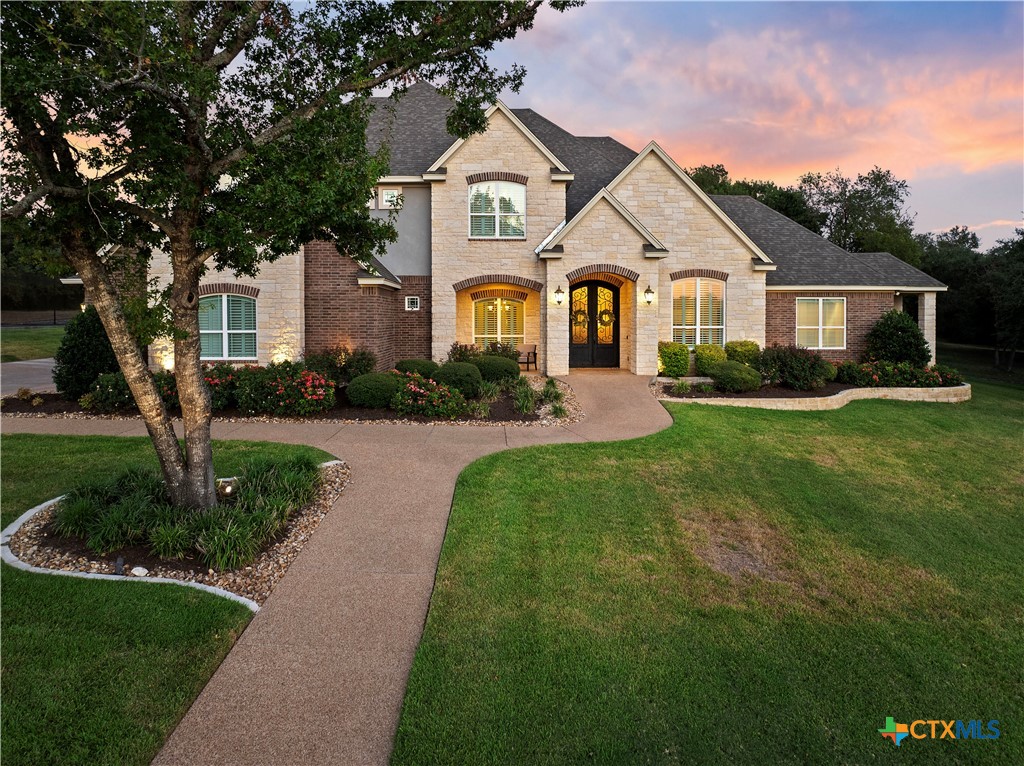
[280, 308]
[456, 257]
[863, 309]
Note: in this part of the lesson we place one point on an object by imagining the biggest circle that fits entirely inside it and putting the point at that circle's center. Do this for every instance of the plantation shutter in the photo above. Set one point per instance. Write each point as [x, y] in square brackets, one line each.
[241, 327]
[715, 316]
[211, 337]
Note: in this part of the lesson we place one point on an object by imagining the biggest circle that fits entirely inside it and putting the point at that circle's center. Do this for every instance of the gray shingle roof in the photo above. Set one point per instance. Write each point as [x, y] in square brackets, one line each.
[417, 128]
[804, 258]
[382, 271]
[417, 133]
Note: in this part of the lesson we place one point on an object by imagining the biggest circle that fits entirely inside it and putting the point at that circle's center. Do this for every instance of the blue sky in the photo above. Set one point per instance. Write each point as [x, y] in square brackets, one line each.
[932, 91]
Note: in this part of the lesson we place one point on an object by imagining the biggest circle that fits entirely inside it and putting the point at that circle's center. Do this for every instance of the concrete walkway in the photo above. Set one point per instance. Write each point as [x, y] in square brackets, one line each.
[36, 374]
[319, 675]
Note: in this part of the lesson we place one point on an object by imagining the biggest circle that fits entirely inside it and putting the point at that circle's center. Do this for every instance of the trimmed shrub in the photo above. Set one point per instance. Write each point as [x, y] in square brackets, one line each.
[375, 390]
[340, 365]
[851, 374]
[84, 354]
[887, 374]
[673, 359]
[706, 356]
[745, 351]
[948, 375]
[422, 396]
[496, 368]
[110, 393]
[460, 352]
[895, 338]
[462, 376]
[167, 385]
[505, 349]
[794, 367]
[735, 377]
[222, 379]
[361, 361]
[424, 367]
[283, 388]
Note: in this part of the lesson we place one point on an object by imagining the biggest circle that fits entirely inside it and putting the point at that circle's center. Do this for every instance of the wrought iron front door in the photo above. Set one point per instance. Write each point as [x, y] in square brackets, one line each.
[594, 325]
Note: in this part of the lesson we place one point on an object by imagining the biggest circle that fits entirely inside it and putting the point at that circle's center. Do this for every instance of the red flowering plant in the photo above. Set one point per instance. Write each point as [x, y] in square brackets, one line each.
[422, 396]
[283, 388]
[880, 374]
[222, 379]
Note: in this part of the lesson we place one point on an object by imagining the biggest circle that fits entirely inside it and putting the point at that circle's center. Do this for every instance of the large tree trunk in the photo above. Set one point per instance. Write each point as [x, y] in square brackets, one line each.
[199, 489]
[107, 301]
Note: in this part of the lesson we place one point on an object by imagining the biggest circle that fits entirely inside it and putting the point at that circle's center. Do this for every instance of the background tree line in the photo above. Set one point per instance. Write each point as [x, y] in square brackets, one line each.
[985, 301]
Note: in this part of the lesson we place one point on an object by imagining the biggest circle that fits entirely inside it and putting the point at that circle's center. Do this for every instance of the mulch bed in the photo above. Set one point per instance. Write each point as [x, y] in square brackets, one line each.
[37, 544]
[767, 392]
[502, 412]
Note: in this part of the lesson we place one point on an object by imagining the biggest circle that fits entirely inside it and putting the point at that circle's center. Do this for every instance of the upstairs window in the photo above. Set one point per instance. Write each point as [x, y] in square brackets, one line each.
[497, 320]
[227, 327]
[497, 210]
[698, 311]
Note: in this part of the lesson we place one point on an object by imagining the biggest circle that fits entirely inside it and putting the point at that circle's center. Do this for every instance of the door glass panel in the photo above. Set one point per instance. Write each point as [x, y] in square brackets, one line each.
[580, 317]
[605, 316]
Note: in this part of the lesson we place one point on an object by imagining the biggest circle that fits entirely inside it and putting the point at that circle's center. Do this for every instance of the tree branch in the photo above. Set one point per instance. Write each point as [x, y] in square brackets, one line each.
[242, 36]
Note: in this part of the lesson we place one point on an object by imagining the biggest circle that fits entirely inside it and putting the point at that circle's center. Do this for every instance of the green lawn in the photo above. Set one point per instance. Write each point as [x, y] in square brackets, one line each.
[582, 613]
[19, 344]
[98, 672]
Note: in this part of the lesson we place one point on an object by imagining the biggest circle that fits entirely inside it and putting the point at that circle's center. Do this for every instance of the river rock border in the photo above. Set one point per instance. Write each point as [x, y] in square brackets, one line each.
[338, 474]
[949, 394]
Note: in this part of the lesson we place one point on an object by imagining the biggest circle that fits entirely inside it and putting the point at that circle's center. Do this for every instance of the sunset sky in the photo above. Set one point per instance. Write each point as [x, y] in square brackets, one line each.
[932, 91]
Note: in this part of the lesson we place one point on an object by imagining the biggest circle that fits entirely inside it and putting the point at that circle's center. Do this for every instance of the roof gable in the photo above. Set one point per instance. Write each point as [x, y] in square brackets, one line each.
[717, 212]
[556, 164]
[653, 244]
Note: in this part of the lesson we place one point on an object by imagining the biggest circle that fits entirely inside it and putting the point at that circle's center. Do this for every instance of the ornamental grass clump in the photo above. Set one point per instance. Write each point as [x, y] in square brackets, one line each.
[133, 509]
[422, 396]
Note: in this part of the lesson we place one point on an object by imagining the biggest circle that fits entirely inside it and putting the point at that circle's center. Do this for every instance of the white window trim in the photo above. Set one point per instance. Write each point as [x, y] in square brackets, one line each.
[498, 338]
[382, 204]
[497, 212]
[223, 332]
[698, 326]
[412, 303]
[820, 327]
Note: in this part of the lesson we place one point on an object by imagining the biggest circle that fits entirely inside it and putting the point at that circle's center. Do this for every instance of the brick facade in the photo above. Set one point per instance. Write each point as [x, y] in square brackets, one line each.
[863, 309]
[340, 312]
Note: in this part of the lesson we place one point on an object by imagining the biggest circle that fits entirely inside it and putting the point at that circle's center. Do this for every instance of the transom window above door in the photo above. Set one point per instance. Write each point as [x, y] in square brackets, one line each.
[498, 320]
[497, 210]
[698, 311]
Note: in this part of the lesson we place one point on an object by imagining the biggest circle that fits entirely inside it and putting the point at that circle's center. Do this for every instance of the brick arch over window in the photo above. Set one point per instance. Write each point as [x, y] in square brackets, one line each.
[601, 268]
[508, 279]
[497, 175]
[502, 292]
[229, 288]
[705, 273]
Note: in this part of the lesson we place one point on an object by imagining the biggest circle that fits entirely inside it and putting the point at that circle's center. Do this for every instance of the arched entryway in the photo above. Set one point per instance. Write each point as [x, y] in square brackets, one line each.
[594, 324]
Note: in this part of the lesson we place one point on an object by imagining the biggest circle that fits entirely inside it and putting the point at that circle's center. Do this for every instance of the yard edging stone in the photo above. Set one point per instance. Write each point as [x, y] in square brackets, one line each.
[945, 394]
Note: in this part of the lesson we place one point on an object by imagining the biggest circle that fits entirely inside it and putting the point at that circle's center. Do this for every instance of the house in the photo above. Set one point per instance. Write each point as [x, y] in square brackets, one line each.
[578, 244]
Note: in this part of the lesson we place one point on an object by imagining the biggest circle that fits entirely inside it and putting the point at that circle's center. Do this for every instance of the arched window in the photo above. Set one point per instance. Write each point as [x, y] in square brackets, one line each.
[698, 311]
[497, 210]
[227, 327]
[497, 320]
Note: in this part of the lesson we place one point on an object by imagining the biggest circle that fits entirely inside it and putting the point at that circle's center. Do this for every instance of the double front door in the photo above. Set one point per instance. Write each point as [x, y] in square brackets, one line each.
[594, 325]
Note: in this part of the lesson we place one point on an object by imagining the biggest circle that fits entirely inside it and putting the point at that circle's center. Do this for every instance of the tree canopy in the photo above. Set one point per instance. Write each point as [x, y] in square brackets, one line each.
[224, 135]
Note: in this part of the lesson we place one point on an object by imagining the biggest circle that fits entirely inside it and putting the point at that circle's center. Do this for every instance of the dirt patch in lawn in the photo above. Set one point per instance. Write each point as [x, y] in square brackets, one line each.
[740, 548]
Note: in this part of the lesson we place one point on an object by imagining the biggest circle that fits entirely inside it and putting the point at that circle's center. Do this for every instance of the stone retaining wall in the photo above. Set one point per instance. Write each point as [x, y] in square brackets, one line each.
[834, 402]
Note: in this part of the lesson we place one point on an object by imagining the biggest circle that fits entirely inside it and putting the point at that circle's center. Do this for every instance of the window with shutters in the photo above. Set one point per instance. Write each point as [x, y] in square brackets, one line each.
[698, 311]
[497, 320]
[821, 323]
[227, 327]
[497, 210]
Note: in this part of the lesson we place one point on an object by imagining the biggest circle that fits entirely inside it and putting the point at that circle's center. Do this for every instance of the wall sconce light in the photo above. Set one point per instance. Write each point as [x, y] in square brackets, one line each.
[83, 306]
[559, 295]
[649, 295]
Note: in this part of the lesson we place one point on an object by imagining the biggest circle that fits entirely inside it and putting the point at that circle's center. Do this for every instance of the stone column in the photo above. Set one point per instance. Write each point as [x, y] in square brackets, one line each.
[554, 356]
[926, 319]
[897, 301]
[442, 319]
[645, 323]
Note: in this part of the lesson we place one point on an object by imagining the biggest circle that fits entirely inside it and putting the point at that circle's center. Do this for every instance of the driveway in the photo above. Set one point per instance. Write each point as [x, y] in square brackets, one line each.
[319, 674]
[36, 374]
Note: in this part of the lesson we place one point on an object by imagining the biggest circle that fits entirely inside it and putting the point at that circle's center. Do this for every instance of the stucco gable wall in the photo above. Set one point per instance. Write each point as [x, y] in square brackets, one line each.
[454, 256]
[695, 239]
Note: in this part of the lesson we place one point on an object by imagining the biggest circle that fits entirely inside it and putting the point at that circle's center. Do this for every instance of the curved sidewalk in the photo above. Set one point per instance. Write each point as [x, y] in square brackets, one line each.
[318, 676]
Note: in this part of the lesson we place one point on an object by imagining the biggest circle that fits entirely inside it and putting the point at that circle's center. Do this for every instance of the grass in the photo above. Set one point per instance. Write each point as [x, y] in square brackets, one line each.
[98, 672]
[20, 344]
[596, 603]
[976, 363]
